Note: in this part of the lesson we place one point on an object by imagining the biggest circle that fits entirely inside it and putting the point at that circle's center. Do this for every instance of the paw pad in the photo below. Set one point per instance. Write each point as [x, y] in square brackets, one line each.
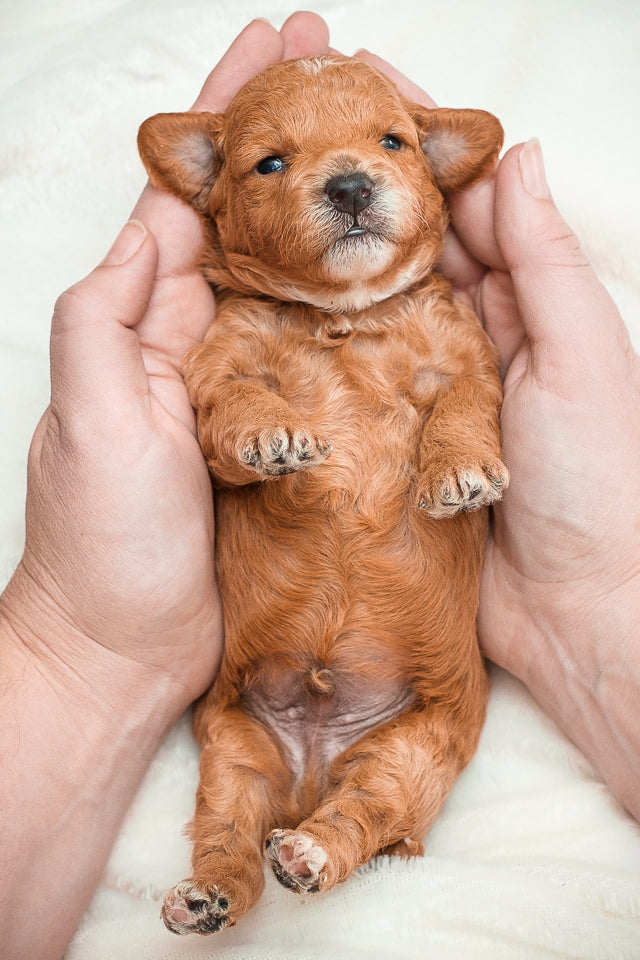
[282, 450]
[188, 908]
[296, 860]
[462, 489]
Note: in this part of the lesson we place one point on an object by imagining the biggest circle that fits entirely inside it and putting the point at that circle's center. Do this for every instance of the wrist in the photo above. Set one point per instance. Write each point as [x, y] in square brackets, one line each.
[584, 669]
[135, 701]
[75, 745]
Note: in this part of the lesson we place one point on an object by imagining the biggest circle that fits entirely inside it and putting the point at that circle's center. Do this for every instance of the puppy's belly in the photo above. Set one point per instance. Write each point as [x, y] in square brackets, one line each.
[338, 620]
[314, 729]
[314, 585]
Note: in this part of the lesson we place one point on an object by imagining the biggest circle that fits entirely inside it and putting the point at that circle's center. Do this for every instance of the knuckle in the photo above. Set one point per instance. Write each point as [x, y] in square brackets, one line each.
[72, 305]
[564, 250]
[68, 301]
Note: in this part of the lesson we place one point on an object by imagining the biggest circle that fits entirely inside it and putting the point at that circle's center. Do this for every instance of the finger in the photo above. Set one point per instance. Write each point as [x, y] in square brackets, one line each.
[458, 265]
[180, 312]
[404, 85]
[496, 306]
[567, 313]
[472, 219]
[96, 360]
[176, 226]
[304, 34]
[257, 47]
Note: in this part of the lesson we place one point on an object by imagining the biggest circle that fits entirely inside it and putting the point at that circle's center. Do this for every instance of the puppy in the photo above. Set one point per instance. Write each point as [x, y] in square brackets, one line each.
[348, 408]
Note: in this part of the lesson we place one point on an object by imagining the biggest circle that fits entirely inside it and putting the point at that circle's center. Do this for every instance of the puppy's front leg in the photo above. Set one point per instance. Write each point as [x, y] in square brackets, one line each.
[247, 431]
[460, 464]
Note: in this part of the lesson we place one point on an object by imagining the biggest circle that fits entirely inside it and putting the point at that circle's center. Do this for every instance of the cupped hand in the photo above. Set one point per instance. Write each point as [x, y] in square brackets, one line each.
[560, 593]
[117, 574]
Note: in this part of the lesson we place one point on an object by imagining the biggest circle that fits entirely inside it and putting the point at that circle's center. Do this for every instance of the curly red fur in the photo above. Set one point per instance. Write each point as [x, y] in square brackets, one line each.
[348, 407]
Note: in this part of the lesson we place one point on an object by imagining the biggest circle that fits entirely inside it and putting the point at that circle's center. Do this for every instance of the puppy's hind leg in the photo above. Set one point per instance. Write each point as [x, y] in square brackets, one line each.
[388, 788]
[243, 778]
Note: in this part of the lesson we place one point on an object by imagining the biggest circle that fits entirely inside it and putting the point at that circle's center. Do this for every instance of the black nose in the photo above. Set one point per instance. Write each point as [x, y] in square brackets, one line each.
[350, 193]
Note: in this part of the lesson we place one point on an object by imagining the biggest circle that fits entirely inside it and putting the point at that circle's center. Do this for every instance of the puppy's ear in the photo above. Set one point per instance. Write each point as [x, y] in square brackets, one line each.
[460, 145]
[181, 152]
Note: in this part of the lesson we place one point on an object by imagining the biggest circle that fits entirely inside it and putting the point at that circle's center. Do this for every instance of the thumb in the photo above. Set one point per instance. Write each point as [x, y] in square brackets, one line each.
[95, 355]
[568, 315]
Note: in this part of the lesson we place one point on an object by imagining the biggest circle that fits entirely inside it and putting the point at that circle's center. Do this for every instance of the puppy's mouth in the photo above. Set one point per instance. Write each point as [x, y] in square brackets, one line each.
[356, 230]
[361, 228]
[366, 232]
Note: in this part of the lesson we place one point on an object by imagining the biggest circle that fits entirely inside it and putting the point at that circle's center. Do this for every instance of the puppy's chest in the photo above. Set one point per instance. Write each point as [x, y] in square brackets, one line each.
[352, 381]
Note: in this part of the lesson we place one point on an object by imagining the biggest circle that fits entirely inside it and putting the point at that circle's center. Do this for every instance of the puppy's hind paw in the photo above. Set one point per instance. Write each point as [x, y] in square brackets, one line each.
[297, 861]
[189, 908]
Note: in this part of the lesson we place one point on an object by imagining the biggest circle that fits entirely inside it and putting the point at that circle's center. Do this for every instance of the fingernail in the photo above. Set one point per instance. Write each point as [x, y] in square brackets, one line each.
[127, 243]
[532, 172]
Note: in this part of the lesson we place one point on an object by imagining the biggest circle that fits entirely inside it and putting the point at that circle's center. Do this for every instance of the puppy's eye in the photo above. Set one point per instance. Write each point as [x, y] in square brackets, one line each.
[270, 165]
[391, 143]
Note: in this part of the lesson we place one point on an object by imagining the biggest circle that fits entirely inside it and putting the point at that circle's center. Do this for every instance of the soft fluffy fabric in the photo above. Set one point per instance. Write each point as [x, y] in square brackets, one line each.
[532, 857]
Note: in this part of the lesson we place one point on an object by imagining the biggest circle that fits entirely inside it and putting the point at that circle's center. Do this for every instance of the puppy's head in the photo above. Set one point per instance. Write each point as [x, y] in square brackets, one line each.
[321, 182]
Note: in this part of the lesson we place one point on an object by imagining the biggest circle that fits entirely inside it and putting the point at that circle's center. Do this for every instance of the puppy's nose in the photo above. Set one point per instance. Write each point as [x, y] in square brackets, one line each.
[350, 193]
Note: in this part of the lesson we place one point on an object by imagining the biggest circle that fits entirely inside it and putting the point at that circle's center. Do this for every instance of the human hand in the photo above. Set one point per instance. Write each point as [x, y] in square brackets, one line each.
[560, 592]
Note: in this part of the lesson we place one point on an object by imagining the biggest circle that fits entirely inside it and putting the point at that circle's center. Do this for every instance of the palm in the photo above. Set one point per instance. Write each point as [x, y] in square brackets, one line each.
[182, 305]
[165, 338]
[490, 291]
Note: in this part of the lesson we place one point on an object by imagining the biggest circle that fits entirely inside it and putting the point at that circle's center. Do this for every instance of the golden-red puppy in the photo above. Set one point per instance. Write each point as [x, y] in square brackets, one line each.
[348, 407]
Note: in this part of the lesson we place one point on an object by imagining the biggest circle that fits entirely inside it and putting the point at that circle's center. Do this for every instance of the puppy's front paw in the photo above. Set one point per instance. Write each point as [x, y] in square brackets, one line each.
[461, 488]
[297, 861]
[188, 908]
[281, 450]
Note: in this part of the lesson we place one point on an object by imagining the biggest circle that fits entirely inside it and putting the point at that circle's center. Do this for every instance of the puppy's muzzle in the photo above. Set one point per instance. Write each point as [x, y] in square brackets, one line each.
[350, 193]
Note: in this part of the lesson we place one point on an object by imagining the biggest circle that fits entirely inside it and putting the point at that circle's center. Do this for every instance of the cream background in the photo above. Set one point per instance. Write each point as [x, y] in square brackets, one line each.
[532, 858]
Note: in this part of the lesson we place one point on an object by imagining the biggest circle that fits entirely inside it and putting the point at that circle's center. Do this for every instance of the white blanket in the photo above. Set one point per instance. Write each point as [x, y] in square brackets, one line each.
[532, 858]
